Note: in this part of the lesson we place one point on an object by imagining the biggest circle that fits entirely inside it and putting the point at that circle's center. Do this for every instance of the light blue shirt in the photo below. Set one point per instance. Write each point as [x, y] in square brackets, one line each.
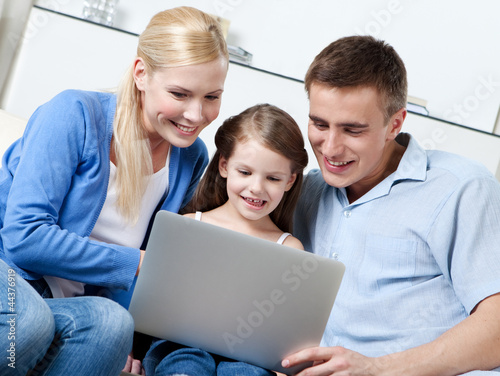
[421, 249]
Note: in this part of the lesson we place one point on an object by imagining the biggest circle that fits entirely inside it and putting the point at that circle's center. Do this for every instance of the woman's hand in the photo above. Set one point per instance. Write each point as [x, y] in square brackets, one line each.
[140, 262]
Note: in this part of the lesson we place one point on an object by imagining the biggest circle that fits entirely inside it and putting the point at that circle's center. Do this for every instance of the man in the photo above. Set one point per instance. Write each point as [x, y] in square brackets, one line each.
[418, 231]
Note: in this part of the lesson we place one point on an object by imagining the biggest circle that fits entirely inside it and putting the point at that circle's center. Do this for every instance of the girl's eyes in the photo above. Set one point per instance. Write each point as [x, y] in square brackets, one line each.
[248, 173]
[212, 97]
[271, 178]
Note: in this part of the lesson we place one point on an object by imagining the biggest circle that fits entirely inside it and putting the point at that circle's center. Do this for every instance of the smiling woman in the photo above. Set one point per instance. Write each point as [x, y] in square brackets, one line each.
[177, 105]
[181, 39]
[83, 183]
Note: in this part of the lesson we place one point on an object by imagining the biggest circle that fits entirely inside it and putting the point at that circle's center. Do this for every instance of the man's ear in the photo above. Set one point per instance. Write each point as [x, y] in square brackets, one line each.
[139, 74]
[396, 124]
[223, 166]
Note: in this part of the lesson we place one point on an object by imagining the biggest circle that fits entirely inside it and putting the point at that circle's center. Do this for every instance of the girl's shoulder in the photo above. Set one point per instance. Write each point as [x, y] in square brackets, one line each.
[218, 217]
[292, 241]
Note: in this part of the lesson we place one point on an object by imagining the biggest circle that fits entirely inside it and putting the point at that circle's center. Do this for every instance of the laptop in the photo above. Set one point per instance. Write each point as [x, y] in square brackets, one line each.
[232, 294]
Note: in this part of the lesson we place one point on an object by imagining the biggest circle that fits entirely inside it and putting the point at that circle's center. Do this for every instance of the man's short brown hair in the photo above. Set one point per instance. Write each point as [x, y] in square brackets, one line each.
[362, 61]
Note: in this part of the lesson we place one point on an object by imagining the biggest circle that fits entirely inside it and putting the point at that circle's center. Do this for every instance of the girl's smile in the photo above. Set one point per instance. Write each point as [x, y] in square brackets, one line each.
[257, 179]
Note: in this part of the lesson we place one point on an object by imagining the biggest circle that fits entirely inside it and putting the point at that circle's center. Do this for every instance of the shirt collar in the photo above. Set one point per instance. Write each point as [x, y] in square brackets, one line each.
[413, 166]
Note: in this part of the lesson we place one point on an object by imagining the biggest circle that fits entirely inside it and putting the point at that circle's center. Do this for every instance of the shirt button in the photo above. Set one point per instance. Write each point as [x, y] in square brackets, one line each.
[347, 213]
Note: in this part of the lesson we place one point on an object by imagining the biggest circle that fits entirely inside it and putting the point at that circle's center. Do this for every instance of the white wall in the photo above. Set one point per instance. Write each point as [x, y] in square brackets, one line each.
[58, 53]
[87, 56]
[449, 46]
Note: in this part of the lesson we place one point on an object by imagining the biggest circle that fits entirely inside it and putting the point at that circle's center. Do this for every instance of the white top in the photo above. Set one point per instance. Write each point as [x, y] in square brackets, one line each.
[111, 227]
[282, 238]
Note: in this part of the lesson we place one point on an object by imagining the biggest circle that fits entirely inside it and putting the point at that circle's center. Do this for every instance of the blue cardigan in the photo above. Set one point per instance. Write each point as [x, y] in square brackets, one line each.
[53, 184]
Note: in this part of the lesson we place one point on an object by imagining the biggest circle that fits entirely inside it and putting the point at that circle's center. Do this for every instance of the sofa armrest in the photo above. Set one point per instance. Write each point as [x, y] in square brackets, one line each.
[11, 128]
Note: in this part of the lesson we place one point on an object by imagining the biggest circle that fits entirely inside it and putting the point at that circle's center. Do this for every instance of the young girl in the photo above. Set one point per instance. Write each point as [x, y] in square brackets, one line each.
[251, 185]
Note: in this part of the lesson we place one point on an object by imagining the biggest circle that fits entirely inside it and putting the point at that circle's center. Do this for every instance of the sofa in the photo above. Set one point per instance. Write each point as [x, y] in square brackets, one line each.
[11, 128]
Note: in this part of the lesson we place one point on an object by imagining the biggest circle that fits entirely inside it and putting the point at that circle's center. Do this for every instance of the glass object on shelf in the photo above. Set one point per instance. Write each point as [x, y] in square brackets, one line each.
[100, 11]
[239, 54]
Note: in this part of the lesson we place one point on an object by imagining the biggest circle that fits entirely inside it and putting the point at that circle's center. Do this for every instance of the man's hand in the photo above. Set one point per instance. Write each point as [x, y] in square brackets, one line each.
[332, 360]
[473, 344]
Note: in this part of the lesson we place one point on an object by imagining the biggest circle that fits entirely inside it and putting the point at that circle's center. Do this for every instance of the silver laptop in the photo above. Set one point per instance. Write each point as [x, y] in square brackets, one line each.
[232, 294]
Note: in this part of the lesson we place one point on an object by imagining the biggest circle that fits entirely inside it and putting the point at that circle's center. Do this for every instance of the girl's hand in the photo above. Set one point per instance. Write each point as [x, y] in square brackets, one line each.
[133, 366]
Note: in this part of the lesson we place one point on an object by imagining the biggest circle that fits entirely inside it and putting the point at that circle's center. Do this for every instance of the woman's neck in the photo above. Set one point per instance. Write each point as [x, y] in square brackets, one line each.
[159, 153]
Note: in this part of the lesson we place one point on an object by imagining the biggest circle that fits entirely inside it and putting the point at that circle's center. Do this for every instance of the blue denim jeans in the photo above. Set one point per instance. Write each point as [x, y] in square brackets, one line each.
[86, 335]
[168, 358]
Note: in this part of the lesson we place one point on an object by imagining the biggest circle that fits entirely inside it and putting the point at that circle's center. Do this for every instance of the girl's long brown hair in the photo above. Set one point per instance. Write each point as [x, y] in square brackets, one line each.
[273, 128]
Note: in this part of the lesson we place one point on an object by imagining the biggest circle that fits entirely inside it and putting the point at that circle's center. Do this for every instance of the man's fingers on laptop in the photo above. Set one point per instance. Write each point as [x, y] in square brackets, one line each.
[327, 360]
[311, 354]
[317, 355]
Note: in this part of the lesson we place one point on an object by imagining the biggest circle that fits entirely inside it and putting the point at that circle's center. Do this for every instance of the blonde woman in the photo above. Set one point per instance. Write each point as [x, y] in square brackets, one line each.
[78, 190]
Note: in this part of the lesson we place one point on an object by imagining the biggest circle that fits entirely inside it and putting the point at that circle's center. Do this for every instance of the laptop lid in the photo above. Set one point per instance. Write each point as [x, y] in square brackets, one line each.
[232, 294]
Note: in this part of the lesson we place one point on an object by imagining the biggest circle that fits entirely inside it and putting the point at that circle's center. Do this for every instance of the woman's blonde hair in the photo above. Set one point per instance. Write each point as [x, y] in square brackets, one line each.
[173, 38]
